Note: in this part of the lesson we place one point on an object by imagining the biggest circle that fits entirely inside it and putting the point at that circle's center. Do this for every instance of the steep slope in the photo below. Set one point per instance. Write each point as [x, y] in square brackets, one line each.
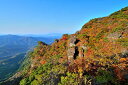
[95, 55]
[10, 65]
[12, 51]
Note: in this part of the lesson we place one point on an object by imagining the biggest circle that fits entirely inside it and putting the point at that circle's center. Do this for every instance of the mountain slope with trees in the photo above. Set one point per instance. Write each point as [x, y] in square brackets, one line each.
[95, 55]
[13, 49]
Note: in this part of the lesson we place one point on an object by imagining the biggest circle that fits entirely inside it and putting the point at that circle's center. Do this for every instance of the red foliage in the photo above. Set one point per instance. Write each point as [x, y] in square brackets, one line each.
[118, 73]
[64, 38]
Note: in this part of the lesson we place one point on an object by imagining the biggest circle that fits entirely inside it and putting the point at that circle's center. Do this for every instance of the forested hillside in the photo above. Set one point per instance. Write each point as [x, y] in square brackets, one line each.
[13, 49]
[10, 65]
[95, 55]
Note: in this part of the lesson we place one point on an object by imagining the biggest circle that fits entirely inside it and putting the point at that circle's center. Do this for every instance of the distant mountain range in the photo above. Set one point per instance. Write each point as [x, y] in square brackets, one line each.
[13, 49]
[54, 35]
[13, 44]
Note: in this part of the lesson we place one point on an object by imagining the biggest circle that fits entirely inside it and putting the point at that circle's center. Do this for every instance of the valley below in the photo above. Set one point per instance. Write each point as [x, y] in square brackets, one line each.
[13, 49]
[10, 65]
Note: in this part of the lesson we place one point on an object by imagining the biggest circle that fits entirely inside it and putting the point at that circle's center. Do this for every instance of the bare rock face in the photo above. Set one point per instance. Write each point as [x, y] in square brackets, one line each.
[115, 35]
[124, 53]
[120, 35]
[84, 47]
[71, 47]
[81, 51]
[71, 53]
[56, 41]
[72, 41]
[75, 51]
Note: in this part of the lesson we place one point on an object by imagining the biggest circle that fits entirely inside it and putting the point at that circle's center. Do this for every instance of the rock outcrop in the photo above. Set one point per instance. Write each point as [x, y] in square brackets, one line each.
[71, 48]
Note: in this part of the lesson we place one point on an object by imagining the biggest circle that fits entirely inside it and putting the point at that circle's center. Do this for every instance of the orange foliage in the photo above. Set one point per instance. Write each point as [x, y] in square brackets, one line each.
[42, 61]
[89, 52]
[123, 59]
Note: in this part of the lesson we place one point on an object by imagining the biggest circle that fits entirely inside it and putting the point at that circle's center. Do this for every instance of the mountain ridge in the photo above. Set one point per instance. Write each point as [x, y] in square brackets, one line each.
[95, 55]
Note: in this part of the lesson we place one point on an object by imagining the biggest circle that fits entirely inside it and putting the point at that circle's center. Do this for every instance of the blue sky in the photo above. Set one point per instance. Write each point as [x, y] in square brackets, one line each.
[52, 16]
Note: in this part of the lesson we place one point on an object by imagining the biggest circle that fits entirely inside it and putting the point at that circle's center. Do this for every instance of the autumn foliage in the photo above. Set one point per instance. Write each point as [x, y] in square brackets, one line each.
[103, 42]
